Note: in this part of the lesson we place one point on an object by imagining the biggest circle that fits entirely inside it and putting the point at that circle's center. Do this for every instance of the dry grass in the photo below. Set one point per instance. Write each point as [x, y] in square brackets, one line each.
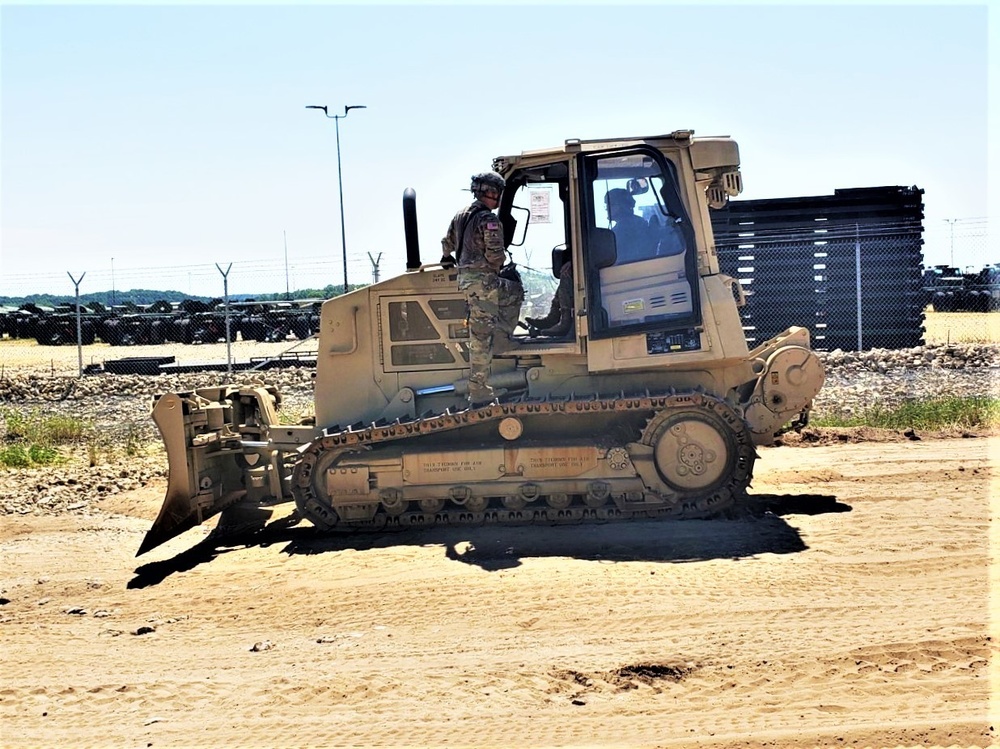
[28, 355]
[962, 327]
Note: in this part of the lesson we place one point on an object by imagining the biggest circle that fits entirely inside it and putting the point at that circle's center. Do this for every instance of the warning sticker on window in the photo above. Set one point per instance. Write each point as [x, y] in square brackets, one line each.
[631, 306]
[539, 207]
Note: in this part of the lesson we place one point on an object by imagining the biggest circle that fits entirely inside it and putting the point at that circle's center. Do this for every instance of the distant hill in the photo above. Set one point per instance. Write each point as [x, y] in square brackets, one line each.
[148, 296]
[136, 296]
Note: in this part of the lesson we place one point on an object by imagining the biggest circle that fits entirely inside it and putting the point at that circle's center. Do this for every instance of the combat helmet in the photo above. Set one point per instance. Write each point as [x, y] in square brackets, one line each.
[487, 181]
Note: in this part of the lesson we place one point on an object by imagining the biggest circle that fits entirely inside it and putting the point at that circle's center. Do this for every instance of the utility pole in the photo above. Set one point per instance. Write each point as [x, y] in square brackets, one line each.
[288, 290]
[375, 262]
[951, 222]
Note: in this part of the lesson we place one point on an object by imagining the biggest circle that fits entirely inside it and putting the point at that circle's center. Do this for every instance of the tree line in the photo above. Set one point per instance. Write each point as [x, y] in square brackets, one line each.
[141, 297]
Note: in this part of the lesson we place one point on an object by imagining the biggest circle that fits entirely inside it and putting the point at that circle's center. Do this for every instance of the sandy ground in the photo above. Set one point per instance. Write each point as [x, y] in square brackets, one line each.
[856, 613]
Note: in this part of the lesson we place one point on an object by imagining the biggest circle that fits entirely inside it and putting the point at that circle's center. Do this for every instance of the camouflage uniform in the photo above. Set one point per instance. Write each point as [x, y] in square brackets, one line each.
[491, 298]
[634, 240]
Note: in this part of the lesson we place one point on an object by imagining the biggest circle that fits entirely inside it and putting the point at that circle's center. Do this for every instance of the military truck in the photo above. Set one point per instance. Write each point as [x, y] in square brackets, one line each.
[277, 321]
[651, 406]
[137, 325]
[59, 326]
[950, 290]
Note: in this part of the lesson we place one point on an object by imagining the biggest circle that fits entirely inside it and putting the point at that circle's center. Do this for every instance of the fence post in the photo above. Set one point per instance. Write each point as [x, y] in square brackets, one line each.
[229, 345]
[857, 276]
[79, 324]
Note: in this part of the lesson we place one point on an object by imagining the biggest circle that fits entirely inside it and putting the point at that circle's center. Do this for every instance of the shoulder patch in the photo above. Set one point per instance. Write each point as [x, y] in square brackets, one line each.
[492, 225]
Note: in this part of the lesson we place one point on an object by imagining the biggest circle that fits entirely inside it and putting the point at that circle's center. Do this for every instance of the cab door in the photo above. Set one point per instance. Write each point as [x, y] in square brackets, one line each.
[640, 257]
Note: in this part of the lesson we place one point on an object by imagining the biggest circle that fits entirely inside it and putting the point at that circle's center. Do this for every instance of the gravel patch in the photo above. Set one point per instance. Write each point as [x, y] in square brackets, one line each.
[117, 409]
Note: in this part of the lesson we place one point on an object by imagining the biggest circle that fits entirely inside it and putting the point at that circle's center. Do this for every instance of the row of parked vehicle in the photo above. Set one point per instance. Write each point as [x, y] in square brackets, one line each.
[950, 290]
[188, 321]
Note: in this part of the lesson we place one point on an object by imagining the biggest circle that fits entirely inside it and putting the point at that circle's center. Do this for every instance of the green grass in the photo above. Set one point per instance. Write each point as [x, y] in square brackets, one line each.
[49, 429]
[939, 413]
[15, 456]
[33, 439]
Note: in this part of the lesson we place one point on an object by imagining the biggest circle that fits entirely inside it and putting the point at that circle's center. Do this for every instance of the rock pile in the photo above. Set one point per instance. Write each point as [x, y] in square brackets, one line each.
[115, 410]
[857, 380]
[73, 487]
[37, 386]
[938, 356]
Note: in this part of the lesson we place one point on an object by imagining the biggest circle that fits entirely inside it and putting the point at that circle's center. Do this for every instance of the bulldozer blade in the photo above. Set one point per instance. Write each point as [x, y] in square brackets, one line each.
[189, 503]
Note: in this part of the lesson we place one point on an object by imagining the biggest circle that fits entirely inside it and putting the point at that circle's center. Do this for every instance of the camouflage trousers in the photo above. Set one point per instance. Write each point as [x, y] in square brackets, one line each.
[494, 307]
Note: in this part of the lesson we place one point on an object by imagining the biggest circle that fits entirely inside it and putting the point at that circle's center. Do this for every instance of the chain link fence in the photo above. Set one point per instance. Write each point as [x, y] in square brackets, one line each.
[850, 267]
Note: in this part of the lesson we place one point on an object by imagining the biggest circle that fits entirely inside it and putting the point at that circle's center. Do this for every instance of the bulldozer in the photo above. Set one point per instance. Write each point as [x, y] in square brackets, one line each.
[651, 405]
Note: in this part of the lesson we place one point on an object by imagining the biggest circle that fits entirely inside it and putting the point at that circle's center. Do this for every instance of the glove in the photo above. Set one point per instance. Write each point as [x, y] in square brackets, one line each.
[447, 261]
[509, 272]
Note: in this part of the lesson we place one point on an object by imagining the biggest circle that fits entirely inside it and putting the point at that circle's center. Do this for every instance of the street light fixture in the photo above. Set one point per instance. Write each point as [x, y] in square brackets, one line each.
[340, 184]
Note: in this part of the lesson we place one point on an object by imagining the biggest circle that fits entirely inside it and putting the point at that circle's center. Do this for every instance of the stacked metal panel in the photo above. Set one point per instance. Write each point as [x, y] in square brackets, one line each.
[848, 266]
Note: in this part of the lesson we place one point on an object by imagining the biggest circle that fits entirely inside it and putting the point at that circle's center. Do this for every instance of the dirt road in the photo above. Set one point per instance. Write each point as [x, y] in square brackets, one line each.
[855, 613]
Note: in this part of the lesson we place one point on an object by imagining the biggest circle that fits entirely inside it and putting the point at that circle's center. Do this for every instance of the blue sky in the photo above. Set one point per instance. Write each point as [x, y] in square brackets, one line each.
[153, 142]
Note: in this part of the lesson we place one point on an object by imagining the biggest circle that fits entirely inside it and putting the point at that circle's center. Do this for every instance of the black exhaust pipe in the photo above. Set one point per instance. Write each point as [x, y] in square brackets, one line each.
[410, 229]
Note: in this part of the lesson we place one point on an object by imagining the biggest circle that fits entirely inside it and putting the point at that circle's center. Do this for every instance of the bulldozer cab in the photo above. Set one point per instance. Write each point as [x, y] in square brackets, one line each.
[619, 218]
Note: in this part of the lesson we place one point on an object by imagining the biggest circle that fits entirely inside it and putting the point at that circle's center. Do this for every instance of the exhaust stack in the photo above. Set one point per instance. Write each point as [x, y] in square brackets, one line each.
[410, 229]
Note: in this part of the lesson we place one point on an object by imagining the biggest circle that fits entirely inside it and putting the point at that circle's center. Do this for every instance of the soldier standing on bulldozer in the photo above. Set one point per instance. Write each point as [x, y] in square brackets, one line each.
[475, 239]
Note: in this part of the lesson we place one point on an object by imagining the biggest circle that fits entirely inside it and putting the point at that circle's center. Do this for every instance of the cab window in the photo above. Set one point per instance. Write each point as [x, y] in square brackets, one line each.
[640, 248]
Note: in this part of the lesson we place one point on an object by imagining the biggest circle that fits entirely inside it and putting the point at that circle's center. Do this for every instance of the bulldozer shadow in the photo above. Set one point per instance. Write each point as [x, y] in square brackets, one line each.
[239, 526]
[758, 527]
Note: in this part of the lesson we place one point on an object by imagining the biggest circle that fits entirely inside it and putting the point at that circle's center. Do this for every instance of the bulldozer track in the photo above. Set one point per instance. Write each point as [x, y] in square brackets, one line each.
[660, 409]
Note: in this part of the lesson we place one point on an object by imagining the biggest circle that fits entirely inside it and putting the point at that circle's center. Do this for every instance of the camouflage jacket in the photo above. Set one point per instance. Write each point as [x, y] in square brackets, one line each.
[481, 241]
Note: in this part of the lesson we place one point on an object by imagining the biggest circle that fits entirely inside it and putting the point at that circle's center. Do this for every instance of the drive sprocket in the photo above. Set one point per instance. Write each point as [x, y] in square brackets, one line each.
[702, 451]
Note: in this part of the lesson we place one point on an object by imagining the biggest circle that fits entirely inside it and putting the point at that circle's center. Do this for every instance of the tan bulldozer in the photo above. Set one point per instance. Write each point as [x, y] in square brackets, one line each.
[648, 404]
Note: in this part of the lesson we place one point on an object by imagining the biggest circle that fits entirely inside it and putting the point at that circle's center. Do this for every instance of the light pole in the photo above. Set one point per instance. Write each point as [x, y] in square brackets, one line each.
[340, 184]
